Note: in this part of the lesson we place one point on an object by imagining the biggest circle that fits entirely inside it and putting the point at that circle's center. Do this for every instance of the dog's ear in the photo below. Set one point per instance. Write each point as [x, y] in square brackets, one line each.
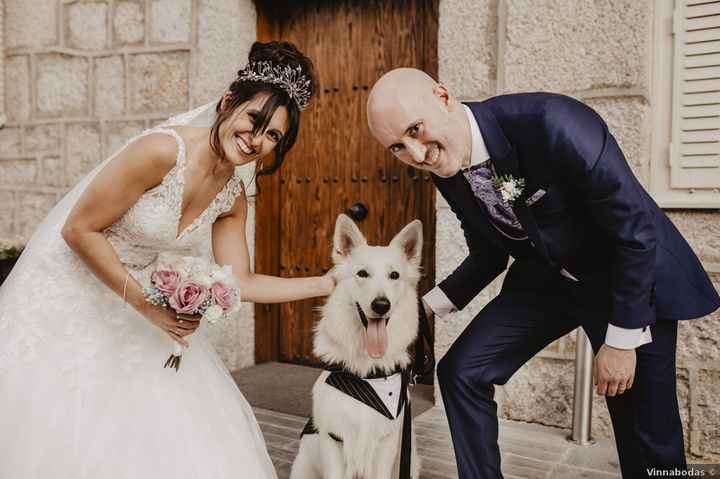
[347, 237]
[410, 241]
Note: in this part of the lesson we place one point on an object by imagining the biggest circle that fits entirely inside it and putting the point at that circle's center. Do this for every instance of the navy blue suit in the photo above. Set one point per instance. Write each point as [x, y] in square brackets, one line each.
[597, 222]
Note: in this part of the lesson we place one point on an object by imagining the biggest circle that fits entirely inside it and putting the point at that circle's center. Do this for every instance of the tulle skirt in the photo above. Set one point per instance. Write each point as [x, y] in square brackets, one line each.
[83, 393]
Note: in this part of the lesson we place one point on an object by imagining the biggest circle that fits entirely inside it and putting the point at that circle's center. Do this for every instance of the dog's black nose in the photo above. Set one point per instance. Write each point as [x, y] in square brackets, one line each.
[380, 305]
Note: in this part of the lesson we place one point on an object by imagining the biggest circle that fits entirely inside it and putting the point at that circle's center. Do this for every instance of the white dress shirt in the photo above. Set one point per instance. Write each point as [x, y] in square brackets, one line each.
[437, 300]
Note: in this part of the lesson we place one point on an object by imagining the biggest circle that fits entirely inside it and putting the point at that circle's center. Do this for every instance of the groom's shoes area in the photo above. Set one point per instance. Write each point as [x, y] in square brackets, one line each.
[528, 450]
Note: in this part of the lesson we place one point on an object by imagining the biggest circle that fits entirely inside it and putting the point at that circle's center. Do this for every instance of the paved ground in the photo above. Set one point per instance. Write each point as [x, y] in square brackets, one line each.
[529, 451]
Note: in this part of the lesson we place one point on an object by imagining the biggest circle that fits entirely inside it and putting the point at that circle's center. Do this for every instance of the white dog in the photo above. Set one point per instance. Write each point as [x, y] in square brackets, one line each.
[367, 325]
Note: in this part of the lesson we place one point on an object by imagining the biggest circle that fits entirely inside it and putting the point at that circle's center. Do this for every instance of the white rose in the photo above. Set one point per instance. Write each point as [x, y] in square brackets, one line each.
[213, 313]
[205, 279]
[505, 194]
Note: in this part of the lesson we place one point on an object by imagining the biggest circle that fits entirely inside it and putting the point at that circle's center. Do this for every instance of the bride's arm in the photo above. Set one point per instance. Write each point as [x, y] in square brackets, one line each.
[230, 248]
[139, 167]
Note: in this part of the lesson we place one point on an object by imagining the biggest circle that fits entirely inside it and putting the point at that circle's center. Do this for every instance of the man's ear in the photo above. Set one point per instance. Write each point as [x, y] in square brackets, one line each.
[441, 91]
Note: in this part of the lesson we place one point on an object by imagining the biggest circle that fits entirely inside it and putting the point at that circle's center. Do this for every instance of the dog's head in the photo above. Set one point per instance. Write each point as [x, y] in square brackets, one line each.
[379, 281]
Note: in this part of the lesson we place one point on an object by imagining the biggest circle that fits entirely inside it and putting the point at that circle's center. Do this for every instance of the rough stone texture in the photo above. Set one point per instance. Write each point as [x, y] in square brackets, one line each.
[43, 138]
[9, 142]
[7, 200]
[83, 150]
[62, 85]
[129, 22]
[170, 21]
[699, 340]
[467, 52]
[159, 82]
[571, 45]
[541, 392]
[701, 229]
[17, 88]
[706, 419]
[628, 119]
[86, 25]
[18, 171]
[226, 30]
[118, 133]
[34, 208]
[51, 171]
[109, 86]
[24, 27]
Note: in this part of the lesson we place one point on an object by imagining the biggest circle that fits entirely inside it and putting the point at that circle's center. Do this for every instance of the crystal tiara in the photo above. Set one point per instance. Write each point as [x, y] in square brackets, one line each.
[292, 80]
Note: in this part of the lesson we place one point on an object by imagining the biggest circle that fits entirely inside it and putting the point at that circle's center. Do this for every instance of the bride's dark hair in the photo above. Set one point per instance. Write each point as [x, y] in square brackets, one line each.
[243, 90]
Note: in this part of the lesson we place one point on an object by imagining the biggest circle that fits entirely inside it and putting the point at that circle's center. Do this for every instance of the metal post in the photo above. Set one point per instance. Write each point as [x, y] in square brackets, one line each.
[582, 401]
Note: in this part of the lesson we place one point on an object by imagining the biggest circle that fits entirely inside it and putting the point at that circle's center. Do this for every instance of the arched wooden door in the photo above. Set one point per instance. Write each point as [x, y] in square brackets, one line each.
[336, 163]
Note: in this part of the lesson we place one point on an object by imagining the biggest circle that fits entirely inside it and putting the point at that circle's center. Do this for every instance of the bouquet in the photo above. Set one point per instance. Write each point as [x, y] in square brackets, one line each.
[192, 285]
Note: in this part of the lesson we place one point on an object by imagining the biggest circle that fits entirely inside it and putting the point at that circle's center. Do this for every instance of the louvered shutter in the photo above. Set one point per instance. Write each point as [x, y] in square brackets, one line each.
[695, 143]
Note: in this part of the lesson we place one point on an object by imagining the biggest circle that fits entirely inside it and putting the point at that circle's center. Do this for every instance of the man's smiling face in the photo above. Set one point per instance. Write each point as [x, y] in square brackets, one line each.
[416, 120]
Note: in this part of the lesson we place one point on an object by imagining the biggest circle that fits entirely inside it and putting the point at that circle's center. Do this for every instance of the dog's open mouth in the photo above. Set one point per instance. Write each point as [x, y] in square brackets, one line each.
[376, 337]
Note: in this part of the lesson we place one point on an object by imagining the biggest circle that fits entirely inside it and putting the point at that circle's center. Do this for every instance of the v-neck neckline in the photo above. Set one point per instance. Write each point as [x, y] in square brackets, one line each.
[181, 174]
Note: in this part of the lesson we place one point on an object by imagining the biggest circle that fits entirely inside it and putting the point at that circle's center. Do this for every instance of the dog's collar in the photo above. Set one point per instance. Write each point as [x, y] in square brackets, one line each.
[375, 373]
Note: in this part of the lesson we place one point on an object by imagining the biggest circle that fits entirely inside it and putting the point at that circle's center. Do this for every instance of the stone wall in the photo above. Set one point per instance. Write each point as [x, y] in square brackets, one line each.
[598, 51]
[82, 77]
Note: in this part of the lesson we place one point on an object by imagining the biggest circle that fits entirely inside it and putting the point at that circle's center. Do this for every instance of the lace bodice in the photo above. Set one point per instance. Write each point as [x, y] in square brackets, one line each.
[150, 226]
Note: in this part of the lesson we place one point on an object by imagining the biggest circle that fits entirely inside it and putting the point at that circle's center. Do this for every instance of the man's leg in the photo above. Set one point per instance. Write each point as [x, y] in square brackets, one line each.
[511, 329]
[646, 418]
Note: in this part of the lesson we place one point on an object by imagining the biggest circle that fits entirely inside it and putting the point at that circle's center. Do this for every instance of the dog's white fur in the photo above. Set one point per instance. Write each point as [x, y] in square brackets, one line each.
[371, 442]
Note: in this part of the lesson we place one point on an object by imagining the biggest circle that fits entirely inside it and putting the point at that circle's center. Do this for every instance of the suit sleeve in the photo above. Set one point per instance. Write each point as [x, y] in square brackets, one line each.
[584, 153]
[483, 264]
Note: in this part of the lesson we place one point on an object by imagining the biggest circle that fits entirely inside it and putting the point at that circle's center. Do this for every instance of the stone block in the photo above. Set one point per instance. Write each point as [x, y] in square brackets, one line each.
[86, 25]
[701, 229]
[699, 340]
[33, 207]
[171, 21]
[159, 82]
[226, 30]
[541, 392]
[7, 206]
[572, 45]
[52, 171]
[17, 88]
[129, 22]
[44, 138]
[19, 171]
[9, 142]
[467, 47]
[109, 86]
[26, 27]
[83, 150]
[627, 119]
[706, 414]
[118, 133]
[62, 85]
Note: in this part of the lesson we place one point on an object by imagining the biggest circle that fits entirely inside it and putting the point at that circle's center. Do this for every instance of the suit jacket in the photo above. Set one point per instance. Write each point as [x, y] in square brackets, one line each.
[595, 220]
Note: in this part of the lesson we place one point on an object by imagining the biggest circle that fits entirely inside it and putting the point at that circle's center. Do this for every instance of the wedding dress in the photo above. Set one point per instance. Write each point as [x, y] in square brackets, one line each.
[83, 393]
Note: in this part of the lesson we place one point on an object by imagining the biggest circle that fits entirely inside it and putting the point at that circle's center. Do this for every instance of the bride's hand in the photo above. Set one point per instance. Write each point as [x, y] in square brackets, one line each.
[175, 327]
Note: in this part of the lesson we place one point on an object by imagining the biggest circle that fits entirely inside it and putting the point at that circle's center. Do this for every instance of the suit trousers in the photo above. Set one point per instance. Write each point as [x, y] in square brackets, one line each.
[535, 307]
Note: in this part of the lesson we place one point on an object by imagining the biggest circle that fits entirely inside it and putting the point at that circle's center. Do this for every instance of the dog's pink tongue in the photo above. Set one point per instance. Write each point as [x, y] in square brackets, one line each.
[376, 338]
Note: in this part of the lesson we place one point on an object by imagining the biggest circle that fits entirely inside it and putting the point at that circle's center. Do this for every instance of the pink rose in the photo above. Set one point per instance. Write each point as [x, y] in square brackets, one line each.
[187, 297]
[166, 281]
[222, 295]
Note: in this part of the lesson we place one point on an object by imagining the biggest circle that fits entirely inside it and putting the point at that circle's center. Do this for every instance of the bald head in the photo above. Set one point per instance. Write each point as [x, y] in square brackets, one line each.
[415, 117]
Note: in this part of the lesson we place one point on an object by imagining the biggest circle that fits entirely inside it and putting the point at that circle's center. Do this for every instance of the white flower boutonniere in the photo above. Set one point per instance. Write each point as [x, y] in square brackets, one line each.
[509, 187]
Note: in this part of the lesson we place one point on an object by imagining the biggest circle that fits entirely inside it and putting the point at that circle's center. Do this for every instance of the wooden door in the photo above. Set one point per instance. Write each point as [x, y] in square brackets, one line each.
[336, 163]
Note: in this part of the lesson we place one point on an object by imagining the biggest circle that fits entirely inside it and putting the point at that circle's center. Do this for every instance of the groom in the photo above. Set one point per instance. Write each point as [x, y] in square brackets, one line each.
[538, 176]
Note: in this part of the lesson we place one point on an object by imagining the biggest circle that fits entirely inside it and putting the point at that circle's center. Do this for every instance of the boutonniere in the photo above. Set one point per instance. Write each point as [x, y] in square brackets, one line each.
[509, 187]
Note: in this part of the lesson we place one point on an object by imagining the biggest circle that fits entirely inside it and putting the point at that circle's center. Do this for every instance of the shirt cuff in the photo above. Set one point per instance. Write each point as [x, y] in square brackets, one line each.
[623, 338]
[439, 302]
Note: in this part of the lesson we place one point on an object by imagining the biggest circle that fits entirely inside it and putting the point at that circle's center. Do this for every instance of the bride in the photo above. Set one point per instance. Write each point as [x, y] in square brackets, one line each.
[83, 393]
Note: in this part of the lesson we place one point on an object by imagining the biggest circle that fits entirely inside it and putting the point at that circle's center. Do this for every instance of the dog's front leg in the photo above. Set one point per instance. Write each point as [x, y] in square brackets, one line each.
[333, 464]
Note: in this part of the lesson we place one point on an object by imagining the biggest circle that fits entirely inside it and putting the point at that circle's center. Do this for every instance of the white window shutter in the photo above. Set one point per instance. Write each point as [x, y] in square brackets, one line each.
[695, 142]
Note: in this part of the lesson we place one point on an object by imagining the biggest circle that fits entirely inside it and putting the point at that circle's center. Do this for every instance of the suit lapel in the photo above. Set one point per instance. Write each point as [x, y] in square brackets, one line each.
[504, 158]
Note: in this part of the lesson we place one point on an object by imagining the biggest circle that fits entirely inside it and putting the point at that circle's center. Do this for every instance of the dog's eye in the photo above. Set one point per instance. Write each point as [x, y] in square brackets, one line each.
[363, 274]
[394, 275]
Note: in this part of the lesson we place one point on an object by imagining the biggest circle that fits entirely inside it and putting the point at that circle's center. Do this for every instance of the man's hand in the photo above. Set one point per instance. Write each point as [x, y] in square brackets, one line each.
[614, 371]
[428, 311]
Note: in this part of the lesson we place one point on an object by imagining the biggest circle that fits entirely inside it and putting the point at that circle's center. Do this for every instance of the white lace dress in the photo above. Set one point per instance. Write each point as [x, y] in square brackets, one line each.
[83, 393]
